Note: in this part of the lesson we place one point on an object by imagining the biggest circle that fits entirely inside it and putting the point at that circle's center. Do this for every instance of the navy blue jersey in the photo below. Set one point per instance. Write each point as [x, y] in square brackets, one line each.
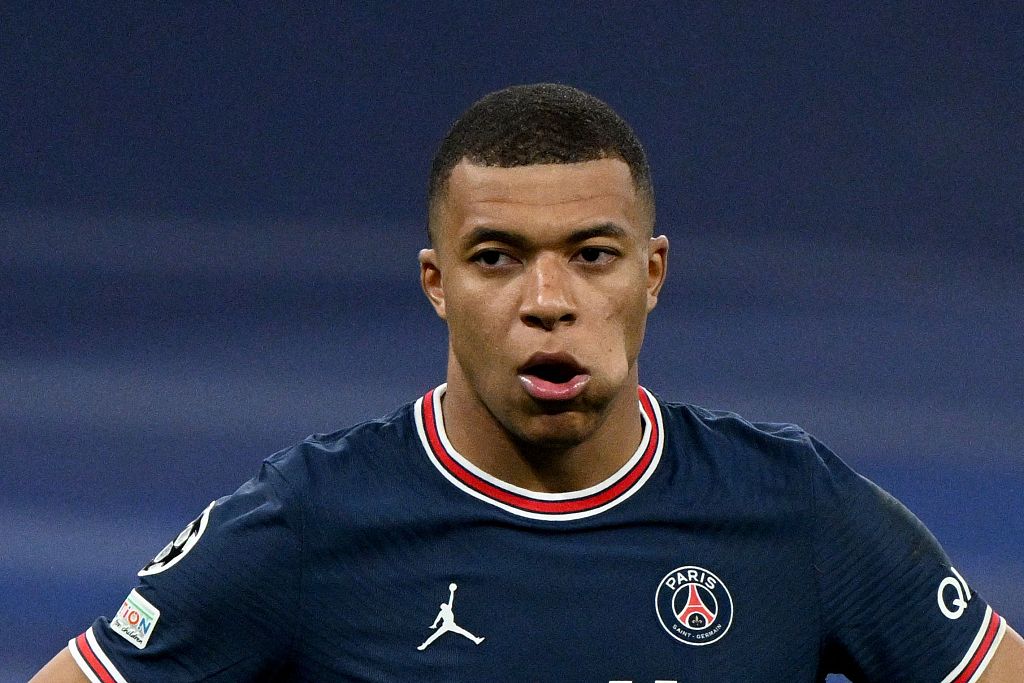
[721, 551]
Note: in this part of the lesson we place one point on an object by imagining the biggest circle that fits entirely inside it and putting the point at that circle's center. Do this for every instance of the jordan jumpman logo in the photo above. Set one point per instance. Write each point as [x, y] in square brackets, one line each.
[446, 618]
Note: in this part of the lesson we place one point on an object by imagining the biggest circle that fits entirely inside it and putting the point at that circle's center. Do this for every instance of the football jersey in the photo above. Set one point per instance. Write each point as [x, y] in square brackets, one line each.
[722, 550]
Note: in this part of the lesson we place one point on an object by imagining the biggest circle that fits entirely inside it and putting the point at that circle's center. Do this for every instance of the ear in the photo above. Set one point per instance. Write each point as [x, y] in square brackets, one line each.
[657, 268]
[430, 280]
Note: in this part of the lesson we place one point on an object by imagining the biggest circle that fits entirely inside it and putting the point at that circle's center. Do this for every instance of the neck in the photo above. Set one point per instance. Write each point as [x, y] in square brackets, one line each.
[551, 466]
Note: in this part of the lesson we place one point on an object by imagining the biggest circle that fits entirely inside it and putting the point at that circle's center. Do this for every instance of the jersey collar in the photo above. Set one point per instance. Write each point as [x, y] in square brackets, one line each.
[523, 502]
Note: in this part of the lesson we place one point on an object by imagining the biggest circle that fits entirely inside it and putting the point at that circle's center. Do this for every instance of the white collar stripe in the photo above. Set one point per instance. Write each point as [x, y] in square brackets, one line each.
[552, 506]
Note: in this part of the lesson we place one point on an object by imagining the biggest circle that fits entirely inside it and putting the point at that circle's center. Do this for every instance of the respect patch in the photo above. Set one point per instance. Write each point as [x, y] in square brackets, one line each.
[135, 620]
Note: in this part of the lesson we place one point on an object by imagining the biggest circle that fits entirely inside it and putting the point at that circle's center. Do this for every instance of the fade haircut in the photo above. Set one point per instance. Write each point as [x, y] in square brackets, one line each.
[543, 123]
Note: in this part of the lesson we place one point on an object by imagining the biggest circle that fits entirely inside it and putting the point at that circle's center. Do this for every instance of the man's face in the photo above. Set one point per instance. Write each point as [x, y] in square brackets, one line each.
[545, 275]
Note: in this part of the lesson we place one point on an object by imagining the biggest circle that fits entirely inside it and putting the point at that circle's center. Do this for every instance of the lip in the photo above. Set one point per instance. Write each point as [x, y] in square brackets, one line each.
[546, 390]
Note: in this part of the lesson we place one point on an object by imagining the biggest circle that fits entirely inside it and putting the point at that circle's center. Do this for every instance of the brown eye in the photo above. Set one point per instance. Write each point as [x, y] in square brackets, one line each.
[492, 258]
[595, 255]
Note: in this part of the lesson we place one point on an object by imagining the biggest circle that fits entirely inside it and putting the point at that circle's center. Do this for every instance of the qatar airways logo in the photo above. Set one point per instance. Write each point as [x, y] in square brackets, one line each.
[694, 606]
[953, 595]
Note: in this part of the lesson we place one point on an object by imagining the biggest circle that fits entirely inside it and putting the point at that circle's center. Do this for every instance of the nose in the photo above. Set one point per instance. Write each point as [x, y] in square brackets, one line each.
[547, 297]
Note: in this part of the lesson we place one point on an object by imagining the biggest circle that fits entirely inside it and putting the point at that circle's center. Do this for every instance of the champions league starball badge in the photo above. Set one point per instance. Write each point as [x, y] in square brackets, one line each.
[694, 606]
[176, 550]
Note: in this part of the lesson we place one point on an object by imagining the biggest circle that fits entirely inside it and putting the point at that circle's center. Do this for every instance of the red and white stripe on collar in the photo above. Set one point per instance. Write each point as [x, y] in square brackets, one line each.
[91, 659]
[523, 502]
[979, 654]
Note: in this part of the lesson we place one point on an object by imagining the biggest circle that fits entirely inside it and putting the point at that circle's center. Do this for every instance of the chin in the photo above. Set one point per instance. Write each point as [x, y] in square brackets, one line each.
[563, 429]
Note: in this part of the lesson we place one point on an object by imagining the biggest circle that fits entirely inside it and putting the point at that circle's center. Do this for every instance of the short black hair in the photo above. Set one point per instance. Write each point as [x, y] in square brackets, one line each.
[542, 123]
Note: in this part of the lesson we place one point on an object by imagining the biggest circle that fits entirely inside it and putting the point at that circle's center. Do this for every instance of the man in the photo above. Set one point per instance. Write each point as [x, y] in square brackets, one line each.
[595, 532]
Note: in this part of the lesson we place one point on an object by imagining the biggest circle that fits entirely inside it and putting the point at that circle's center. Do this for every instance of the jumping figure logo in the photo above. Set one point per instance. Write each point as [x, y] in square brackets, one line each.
[446, 619]
[693, 606]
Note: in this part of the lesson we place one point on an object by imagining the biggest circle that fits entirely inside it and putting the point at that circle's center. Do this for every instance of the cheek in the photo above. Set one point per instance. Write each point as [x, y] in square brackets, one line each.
[474, 318]
[626, 303]
[627, 322]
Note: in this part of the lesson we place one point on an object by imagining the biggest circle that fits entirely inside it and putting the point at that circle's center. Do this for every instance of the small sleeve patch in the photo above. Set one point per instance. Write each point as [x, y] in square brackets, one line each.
[135, 620]
[175, 551]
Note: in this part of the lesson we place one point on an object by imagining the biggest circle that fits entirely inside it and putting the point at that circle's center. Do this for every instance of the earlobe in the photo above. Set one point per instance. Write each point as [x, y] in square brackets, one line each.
[657, 269]
[431, 282]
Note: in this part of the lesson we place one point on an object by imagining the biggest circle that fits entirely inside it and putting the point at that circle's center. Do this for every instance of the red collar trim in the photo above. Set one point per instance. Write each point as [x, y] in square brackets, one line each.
[561, 506]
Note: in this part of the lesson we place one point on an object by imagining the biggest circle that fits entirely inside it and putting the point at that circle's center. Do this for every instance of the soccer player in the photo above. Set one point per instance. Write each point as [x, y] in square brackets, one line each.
[595, 532]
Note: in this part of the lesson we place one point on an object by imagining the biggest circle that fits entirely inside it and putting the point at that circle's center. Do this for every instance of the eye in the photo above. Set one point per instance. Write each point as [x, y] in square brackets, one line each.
[595, 255]
[492, 258]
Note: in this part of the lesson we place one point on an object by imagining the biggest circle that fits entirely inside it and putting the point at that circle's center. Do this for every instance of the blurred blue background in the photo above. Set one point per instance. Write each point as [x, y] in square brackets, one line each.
[209, 217]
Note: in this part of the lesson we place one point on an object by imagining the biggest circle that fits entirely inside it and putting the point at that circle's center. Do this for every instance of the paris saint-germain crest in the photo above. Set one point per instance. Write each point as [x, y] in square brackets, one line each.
[694, 606]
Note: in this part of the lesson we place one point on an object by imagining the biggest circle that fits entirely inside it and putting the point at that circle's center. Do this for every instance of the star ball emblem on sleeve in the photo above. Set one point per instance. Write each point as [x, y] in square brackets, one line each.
[694, 606]
[176, 550]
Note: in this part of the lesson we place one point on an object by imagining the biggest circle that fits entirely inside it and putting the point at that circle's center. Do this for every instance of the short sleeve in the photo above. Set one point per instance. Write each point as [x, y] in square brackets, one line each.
[216, 604]
[894, 608]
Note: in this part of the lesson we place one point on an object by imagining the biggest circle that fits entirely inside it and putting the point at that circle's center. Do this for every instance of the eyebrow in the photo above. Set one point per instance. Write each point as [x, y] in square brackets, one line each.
[489, 234]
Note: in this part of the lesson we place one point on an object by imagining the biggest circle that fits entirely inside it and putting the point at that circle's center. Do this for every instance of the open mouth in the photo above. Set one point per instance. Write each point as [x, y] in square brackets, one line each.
[558, 374]
[553, 377]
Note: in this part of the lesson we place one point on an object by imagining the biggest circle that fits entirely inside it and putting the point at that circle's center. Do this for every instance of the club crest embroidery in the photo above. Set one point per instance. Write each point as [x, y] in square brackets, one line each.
[694, 606]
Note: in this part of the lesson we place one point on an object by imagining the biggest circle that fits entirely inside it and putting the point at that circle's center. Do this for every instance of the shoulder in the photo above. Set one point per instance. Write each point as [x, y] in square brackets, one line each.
[746, 458]
[348, 476]
[725, 433]
[731, 423]
[367, 445]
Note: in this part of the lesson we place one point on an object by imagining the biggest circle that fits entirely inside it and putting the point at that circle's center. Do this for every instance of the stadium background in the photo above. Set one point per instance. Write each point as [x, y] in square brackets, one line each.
[209, 218]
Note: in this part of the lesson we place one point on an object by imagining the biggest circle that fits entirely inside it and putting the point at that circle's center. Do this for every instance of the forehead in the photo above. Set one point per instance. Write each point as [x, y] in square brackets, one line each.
[540, 196]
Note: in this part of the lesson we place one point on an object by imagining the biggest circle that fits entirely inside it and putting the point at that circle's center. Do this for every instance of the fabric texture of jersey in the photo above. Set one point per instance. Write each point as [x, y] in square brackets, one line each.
[721, 551]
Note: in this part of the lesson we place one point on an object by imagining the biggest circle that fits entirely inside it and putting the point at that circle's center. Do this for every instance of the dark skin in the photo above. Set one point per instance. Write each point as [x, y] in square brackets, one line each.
[551, 259]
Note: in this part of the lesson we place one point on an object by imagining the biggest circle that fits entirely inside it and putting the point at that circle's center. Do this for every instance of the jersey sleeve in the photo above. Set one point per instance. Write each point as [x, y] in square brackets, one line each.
[216, 604]
[894, 608]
